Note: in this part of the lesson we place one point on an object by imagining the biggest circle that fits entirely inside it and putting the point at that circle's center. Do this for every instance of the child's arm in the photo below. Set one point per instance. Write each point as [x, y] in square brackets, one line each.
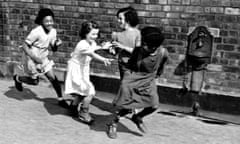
[163, 62]
[106, 61]
[26, 49]
[96, 56]
[104, 45]
[119, 45]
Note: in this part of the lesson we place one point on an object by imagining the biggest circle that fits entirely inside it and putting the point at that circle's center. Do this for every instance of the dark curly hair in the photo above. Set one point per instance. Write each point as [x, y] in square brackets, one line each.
[130, 15]
[87, 26]
[152, 36]
[43, 13]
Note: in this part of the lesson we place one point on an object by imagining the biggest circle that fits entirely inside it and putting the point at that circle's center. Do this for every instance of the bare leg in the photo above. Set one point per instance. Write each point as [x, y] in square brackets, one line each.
[57, 87]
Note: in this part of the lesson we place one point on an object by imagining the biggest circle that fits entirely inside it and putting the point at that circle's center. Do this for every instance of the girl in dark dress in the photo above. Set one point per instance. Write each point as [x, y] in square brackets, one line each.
[138, 87]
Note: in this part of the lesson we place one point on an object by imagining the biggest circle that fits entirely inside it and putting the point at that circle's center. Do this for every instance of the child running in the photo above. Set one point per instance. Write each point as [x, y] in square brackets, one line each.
[126, 40]
[77, 81]
[138, 88]
[35, 48]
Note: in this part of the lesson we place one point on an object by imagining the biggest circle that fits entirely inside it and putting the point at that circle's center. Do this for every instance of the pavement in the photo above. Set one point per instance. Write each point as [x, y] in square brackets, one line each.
[33, 117]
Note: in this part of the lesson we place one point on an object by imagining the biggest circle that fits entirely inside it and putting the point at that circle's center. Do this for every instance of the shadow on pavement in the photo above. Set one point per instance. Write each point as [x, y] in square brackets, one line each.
[101, 120]
[200, 118]
[50, 104]
[103, 105]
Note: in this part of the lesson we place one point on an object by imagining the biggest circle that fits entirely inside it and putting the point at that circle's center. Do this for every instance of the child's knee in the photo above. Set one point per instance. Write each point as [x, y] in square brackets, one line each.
[88, 98]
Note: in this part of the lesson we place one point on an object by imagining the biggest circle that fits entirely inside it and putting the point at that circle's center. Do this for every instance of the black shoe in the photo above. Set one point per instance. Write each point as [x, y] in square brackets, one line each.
[139, 123]
[85, 117]
[18, 85]
[112, 130]
[63, 104]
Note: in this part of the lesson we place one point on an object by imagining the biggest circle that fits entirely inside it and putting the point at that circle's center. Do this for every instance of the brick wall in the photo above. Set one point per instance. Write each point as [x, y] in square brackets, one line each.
[173, 16]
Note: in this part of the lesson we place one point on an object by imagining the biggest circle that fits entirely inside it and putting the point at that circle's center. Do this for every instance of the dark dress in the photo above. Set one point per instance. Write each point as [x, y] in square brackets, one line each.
[138, 87]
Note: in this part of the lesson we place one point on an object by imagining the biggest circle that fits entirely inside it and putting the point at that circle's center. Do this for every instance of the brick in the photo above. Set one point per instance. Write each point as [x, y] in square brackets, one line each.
[172, 15]
[177, 8]
[225, 47]
[26, 0]
[186, 2]
[207, 9]
[154, 7]
[139, 7]
[223, 33]
[217, 40]
[194, 9]
[166, 8]
[153, 1]
[163, 2]
[217, 10]
[61, 8]
[234, 33]
[170, 36]
[205, 17]
[174, 2]
[231, 69]
[107, 5]
[230, 40]
[232, 11]
[195, 2]
[235, 4]
[232, 55]
[144, 13]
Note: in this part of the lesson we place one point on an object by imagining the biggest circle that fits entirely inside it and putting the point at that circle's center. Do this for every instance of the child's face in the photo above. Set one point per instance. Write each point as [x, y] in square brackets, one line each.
[92, 35]
[48, 22]
[148, 49]
[121, 20]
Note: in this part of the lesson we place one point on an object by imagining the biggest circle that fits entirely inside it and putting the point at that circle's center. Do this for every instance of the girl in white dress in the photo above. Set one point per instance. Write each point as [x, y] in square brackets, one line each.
[77, 81]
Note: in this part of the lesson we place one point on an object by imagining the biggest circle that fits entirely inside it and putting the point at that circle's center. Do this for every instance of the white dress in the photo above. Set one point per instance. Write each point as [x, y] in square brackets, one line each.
[78, 70]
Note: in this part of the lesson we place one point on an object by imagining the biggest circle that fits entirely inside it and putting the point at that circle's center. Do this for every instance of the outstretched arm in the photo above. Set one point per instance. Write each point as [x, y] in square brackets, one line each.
[96, 56]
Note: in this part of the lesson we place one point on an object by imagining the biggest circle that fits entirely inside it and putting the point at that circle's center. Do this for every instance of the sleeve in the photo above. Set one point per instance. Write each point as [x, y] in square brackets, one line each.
[32, 37]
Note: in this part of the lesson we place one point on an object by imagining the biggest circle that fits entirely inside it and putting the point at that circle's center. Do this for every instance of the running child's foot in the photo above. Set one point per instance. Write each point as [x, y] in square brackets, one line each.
[139, 123]
[85, 117]
[18, 84]
[112, 130]
[63, 104]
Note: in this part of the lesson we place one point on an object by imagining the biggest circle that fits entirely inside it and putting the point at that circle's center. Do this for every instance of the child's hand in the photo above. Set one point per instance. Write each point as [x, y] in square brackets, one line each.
[117, 44]
[112, 50]
[39, 68]
[107, 61]
[106, 45]
[58, 42]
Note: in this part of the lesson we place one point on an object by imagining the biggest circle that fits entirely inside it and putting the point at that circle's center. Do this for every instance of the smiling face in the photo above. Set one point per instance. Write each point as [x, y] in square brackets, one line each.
[121, 20]
[92, 35]
[48, 23]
